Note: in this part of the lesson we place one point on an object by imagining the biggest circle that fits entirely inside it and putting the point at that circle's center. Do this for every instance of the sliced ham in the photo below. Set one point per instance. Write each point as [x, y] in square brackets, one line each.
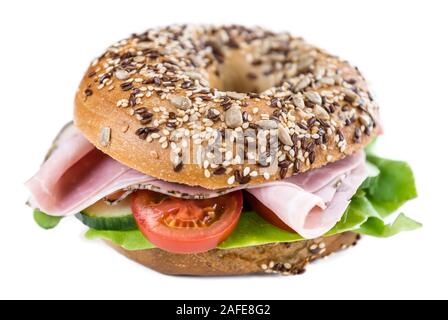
[76, 175]
[312, 213]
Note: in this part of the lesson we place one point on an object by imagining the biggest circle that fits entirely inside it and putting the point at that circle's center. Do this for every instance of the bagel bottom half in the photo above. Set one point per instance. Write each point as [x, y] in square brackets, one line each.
[282, 258]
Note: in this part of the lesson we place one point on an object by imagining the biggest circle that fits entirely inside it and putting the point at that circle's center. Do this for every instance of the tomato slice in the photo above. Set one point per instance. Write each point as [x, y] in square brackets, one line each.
[186, 226]
[266, 213]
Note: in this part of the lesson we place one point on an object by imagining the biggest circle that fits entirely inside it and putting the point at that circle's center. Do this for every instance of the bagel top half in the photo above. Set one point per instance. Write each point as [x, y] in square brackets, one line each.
[148, 93]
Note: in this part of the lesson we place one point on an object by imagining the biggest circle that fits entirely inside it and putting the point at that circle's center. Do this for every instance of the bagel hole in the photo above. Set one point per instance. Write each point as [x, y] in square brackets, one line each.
[238, 75]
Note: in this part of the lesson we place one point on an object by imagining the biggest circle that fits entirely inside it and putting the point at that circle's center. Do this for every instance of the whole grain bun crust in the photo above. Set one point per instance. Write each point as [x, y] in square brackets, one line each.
[278, 258]
[192, 79]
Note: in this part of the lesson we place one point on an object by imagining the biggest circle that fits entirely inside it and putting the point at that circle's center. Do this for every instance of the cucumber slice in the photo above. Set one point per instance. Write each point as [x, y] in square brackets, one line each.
[101, 216]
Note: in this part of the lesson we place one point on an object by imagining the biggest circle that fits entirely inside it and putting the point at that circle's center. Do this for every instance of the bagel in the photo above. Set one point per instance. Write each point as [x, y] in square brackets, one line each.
[188, 130]
[144, 94]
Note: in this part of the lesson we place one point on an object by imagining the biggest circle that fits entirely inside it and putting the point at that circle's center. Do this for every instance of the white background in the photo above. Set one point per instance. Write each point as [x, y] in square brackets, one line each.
[401, 46]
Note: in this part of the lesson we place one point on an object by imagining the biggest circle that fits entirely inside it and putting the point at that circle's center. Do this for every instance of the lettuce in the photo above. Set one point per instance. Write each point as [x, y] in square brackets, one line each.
[376, 227]
[129, 240]
[393, 187]
[381, 194]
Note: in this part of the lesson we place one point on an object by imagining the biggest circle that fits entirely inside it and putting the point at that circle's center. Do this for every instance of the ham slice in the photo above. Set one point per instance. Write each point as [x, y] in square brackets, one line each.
[313, 208]
[76, 175]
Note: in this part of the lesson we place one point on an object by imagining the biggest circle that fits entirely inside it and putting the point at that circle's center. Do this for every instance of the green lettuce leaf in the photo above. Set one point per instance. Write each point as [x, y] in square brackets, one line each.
[45, 221]
[129, 240]
[394, 186]
[253, 230]
[376, 227]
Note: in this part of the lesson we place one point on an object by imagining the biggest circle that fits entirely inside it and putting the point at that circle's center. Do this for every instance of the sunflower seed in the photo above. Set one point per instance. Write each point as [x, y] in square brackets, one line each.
[144, 45]
[235, 95]
[193, 75]
[321, 113]
[304, 64]
[365, 120]
[328, 80]
[284, 136]
[319, 72]
[297, 100]
[180, 102]
[302, 84]
[234, 117]
[139, 59]
[349, 95]
[267, 124]
[122, 74]
[105, 136]
[314, 97]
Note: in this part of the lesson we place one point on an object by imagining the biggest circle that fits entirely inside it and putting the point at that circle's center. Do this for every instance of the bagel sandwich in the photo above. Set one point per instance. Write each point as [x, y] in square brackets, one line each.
[204, 150]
